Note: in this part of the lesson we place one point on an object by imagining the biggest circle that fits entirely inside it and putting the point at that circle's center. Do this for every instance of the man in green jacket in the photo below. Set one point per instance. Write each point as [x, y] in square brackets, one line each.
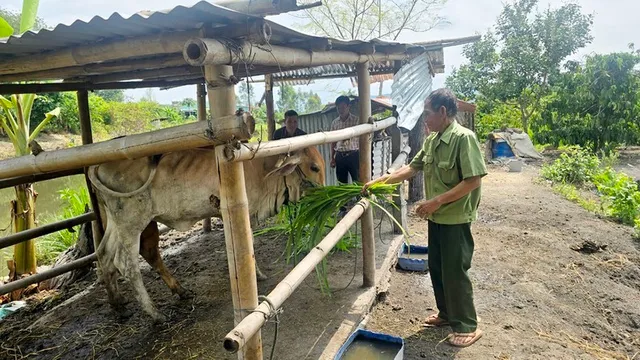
[453, 167]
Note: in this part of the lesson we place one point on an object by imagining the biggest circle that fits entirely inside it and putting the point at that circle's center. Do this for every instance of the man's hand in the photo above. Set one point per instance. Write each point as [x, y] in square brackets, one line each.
[428, 207]
[333, 163]
[366, 186]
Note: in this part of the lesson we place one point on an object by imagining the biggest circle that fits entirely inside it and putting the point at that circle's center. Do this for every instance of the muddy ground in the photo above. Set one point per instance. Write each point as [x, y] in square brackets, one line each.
[79, 324]
[535, 296]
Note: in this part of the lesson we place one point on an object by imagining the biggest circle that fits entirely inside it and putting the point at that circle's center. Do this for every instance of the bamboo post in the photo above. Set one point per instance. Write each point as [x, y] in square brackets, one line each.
[234, 207]
[399, 154]
[182, 137]
[269, 148]
[268, 90]
[87, 138]
[368, 239]
[201, 93]
[251, 324]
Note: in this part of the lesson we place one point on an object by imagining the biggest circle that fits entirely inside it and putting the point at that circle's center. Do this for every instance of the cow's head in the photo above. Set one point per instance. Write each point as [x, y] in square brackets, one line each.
[302, 169]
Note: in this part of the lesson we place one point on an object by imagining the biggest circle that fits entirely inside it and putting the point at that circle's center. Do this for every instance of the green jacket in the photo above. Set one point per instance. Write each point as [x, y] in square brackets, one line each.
[446, 159]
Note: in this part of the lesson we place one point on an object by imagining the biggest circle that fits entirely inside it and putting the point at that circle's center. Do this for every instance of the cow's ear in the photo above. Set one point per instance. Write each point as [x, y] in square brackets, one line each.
[285, 166]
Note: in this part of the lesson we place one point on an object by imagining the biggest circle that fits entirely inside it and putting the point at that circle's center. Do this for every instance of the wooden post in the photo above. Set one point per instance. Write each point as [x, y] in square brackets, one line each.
[400, 214]
[268, 90]
[416, 183]
[87, 138]
[234, 207]
[368, 240]
[202, 116]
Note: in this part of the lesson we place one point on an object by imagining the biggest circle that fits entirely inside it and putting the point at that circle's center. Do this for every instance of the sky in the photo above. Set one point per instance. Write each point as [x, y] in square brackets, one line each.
[615, 26]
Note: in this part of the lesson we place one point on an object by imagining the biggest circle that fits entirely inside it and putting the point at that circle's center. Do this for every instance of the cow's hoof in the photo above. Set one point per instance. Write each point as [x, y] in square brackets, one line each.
[185, 294]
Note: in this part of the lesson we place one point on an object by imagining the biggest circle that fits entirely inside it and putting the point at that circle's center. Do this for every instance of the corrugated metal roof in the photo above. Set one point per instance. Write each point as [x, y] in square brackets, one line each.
[99, 29]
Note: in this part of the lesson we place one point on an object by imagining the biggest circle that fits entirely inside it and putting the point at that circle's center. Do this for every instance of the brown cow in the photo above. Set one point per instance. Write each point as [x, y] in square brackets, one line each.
[178, 189]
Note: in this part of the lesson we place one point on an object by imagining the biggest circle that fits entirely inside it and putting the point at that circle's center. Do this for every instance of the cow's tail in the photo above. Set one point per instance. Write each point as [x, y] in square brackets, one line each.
[93, 176]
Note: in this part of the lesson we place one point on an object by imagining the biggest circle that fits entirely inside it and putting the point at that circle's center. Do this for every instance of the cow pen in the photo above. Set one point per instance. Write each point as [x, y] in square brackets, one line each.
[226, 44]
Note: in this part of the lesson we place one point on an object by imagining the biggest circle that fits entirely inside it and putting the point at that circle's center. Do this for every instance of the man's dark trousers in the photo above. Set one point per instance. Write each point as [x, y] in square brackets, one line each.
[450, 253]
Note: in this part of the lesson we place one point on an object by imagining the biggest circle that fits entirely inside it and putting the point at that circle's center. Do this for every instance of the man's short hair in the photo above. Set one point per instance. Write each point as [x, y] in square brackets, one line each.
[444, 97]
[290, 113]
[342, 99]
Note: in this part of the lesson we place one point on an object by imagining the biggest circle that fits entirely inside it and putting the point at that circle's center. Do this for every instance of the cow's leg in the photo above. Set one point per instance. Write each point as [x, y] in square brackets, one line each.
[107, 270]
[149, 250]
[127, 262]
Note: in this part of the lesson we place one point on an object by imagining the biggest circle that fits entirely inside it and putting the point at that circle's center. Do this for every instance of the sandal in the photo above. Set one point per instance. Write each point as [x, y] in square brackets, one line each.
[463, 339]
[435, 321]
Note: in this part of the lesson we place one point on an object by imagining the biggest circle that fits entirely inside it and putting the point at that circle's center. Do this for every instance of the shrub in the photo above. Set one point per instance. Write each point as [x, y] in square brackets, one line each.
[577, 166]
[620, 191]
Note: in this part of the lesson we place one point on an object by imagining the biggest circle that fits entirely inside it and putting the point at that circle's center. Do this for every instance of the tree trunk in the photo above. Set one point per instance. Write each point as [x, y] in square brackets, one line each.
[24, 216]
[416, 183]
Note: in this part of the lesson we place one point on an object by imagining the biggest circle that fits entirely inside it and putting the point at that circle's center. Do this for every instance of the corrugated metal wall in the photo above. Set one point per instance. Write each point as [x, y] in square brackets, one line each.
[411, 85]
[317, 122]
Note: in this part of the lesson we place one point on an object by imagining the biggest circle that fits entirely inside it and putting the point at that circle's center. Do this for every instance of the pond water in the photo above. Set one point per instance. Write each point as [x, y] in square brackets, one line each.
[47, 205]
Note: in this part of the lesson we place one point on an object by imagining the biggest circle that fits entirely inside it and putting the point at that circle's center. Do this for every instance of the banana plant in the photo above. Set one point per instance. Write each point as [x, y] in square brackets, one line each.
[15, 120]
[27, 19]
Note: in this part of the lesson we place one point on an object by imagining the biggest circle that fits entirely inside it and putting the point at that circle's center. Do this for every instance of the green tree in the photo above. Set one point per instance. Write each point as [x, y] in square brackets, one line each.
[513, 65]
[244, 98]
[595, 104]
[111, 95]
[289, 98]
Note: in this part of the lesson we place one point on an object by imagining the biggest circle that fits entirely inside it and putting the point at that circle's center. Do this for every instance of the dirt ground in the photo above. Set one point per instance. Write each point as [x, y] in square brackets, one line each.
[47, 141]
[79, 324]
[535, 296]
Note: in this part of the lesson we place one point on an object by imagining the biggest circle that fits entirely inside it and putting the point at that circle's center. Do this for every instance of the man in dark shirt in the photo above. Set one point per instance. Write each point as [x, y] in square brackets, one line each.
[290, 128]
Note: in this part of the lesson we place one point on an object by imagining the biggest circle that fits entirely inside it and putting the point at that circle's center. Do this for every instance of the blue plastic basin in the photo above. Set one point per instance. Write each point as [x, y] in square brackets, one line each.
[378, 345]
[418, 262]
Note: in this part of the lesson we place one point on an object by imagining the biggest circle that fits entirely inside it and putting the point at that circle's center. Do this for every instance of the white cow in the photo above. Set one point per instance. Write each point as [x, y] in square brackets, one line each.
[178, 189]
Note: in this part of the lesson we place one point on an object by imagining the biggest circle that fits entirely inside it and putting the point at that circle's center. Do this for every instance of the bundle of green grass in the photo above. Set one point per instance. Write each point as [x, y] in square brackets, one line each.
[308, 221]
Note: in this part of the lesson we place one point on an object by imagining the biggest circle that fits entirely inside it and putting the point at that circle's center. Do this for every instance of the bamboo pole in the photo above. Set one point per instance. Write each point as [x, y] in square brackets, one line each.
[251, 324]
[271, 121]
[368, 239]
[11, 182]
[128, 65]
[203, 51]
[176, 138]
[234, 207]
[201, 93]
[149, 45]
[269, 148]
[76, 86]
[87, 138]
[148, 74]
[400, 160]
[45, 229]
[51, 273]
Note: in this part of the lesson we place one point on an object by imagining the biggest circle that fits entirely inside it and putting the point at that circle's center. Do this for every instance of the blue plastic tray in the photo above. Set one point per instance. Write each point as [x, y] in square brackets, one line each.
[370, 335]
[411, 264]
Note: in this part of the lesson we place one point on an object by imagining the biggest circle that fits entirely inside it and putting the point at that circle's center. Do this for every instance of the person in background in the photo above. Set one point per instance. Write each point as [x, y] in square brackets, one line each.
[453, 167]
[345, 154]
[290, 128]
